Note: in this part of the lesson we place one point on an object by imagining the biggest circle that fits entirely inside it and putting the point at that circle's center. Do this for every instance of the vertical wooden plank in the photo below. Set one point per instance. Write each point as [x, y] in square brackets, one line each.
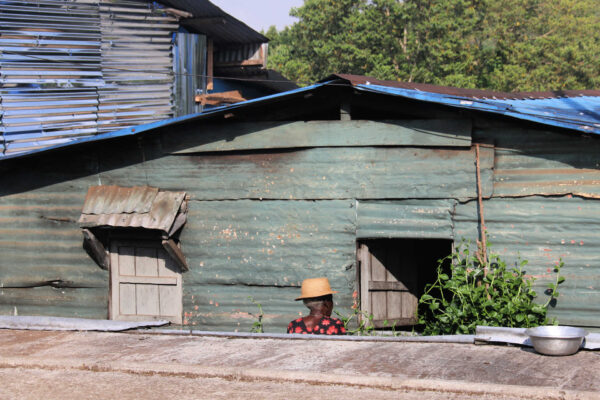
[147, 300]
[127, 299]
[146, 263]
[409, 271]
[166, 265]
[365, 269]
[378, 274]
[393, 264]
[126, 260]
[113, 289]
[168, 295]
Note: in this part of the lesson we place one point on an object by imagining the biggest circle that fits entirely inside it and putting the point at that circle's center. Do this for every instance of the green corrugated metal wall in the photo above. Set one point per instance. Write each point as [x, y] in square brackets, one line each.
[260, 222]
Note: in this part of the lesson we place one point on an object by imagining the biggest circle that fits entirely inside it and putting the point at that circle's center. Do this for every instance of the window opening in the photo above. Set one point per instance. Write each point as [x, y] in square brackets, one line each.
[393, 274]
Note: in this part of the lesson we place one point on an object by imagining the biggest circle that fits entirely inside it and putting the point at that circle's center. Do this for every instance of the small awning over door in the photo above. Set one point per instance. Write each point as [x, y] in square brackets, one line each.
[133, 207]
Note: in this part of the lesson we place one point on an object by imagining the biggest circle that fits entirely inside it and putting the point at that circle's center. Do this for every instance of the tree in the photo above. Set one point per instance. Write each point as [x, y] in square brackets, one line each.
[494, 44]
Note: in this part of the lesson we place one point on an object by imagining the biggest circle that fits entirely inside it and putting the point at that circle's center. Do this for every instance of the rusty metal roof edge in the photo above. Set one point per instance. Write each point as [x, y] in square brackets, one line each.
[358, 80]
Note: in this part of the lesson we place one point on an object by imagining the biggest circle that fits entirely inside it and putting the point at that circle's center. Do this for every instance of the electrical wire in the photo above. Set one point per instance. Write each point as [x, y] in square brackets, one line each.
[174, 73]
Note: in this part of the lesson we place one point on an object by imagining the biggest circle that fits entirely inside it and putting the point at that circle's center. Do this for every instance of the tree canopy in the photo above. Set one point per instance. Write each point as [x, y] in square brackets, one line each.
[506, 45]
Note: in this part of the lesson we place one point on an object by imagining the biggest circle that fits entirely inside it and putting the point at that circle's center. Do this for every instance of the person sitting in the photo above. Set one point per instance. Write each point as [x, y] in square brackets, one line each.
[316, 294]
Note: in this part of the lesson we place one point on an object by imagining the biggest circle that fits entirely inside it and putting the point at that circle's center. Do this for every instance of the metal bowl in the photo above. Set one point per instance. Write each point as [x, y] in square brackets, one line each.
[556, 340]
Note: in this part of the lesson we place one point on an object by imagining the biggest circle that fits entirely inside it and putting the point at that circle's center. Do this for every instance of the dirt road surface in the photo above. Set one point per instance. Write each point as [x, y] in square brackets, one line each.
[93, 365]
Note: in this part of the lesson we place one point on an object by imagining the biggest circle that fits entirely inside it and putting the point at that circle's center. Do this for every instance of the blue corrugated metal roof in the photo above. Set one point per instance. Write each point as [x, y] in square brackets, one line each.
[579, 113]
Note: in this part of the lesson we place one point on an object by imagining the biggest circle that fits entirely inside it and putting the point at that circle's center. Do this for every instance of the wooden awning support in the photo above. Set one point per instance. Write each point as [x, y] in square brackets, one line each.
[96, 249]
[176, 254]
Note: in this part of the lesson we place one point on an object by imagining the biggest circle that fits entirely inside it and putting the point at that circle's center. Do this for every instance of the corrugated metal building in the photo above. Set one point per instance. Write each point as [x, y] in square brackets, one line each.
[80, 68]
[365, 182]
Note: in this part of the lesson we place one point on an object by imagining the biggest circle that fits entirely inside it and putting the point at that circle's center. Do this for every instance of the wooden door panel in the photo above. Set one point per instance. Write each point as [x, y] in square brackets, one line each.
[145, 261]
[127, 298]
[145, 282]
[126, 260]
[147, 300]
[378, 298]
[168, 297]
[166, 266]
[392, 275]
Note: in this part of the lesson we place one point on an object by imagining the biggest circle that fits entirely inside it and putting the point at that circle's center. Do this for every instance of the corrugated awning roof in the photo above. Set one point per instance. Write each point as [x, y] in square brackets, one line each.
[574, 110]
[132, 207]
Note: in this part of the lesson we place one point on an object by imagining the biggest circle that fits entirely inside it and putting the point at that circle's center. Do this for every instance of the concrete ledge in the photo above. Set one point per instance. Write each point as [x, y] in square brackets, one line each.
[245, 374]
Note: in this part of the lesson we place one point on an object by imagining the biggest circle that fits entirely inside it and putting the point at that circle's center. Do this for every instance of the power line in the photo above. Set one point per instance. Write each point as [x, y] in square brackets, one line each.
[173, 72]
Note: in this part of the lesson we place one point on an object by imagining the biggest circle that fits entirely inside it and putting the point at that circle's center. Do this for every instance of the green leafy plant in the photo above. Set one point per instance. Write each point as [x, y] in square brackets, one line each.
[472, 289]
[358, 322]
[257, 326]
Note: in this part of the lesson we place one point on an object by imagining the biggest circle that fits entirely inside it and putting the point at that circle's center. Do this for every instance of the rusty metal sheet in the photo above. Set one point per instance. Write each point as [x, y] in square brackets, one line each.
[318, 173]
[137, 207]
[543, 230]
[420, 219]
[540, 162]
[264, 249]
[118, 200]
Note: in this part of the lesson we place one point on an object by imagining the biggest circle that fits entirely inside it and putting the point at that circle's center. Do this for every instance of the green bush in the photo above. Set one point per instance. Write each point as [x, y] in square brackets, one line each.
[463, 297]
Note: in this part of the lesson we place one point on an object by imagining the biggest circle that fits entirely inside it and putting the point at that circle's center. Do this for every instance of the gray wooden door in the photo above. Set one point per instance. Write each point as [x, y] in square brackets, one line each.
[388, 282]
[145, 283]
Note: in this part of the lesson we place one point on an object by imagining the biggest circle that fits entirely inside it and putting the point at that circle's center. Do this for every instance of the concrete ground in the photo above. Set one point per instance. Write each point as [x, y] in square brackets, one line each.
[92, 365]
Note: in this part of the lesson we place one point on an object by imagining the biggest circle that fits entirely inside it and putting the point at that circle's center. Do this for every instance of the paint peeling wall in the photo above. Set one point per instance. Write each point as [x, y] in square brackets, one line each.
[260, 222]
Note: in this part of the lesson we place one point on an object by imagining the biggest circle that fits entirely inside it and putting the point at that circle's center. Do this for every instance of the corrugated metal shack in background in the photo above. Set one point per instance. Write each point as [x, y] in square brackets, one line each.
[289, 186]
[80, 68]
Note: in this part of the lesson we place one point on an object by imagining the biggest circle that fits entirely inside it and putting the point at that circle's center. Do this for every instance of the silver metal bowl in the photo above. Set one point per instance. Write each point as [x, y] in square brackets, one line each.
[556, 340]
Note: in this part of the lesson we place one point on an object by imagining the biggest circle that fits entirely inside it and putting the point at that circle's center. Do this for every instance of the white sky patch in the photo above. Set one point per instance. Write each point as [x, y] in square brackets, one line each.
[260, 14]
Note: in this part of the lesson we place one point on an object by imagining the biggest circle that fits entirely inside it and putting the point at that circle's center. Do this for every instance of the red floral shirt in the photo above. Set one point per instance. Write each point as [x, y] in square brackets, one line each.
[325, 326]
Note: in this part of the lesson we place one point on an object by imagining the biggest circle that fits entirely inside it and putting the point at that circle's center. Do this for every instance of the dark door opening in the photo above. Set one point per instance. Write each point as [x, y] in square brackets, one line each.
[393, 274]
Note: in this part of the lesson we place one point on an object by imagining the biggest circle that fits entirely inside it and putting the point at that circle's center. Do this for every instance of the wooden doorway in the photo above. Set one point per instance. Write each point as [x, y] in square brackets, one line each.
[145, 282]
[393, 274]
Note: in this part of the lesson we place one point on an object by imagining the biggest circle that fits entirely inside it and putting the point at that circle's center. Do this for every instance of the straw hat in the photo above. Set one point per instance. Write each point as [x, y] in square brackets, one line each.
[315, 287]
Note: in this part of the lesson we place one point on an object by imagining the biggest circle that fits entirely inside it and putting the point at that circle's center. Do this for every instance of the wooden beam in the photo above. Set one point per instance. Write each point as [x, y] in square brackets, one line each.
[175, 252]
[205, 21]
[387, 286]
[352, 133]
[95, 249]
[213, 99]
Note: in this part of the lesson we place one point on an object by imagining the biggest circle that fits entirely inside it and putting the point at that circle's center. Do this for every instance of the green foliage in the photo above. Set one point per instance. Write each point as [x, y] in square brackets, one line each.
[493, 44]
[464, 297]
[358, 322]
[257, 326]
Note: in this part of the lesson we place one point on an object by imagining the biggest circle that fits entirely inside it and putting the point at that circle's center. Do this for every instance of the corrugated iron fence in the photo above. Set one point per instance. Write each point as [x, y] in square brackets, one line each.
[77, 68]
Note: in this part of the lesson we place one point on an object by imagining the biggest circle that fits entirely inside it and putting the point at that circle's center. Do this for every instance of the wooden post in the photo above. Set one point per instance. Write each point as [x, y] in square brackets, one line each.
[483, 236]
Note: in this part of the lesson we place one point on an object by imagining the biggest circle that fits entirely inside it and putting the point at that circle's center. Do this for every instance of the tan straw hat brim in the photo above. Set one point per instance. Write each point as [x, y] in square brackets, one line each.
[315, 287]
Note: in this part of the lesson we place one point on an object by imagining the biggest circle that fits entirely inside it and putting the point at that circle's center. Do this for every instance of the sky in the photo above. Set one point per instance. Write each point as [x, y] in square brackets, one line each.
[260, 14]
